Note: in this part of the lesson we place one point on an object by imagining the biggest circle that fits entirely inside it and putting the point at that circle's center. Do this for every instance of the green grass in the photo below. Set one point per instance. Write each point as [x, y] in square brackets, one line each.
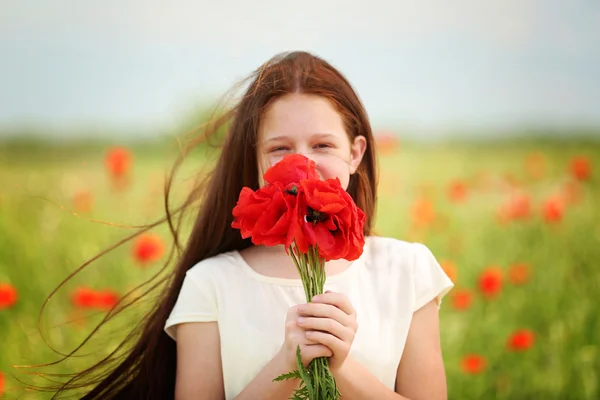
[41, 243]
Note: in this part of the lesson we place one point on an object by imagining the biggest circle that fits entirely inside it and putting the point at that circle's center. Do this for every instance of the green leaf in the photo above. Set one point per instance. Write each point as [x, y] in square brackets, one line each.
[289, 375]
[304, 375]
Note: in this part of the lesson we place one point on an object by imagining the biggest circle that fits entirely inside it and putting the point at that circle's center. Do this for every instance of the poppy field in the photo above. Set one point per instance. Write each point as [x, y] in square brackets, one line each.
[514, 223]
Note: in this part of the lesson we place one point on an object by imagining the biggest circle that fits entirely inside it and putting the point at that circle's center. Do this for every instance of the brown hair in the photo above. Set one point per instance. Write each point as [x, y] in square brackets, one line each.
[147, 368]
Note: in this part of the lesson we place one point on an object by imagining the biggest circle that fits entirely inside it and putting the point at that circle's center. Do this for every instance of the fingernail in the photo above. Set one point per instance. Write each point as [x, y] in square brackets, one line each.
[316, 298]
[301, 320]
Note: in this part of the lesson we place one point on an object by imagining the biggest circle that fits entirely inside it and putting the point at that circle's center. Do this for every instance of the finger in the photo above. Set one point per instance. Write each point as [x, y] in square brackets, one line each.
[339, 300]
[335, 344]
[325, 311]
[327, 325]
[303, 340]
[314, 351]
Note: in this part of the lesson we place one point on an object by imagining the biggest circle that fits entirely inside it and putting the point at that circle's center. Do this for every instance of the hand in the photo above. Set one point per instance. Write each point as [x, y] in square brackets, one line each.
[296, 336]
[330, 320]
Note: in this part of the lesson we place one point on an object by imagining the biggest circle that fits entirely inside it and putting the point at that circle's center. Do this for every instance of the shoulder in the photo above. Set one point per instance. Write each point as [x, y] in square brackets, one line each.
[221, 266]
[392, 250]
[397, 257]
[411, 265]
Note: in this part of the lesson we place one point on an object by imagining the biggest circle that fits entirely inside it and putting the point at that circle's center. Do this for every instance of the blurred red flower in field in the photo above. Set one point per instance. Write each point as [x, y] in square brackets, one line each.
[106, 299]
[457, 191]
[518, 274]
[581, 168]
[118, 161]
[1, 383]
[554, 208]
[423, 212]
[490, 281]
[473, 364]
[8, 295]
[148, 248]
[571, 192]
[535, 165]
[521, 340]
[517, 207]
[386, 142]
[84, 297]
[83, 201]
[462, 299]
[450, 269]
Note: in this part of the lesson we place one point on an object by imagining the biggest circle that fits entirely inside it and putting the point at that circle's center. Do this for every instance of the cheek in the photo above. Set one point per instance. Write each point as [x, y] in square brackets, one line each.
[333, 167]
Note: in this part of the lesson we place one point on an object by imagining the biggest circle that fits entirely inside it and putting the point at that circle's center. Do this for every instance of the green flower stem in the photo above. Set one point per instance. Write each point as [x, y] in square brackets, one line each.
[316, 381]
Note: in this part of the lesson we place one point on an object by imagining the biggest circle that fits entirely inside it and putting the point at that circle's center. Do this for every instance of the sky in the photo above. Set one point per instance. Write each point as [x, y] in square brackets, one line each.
[431, 66]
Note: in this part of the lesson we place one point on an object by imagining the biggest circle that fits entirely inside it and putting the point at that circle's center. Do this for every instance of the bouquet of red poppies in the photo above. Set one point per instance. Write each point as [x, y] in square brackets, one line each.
[317, 221]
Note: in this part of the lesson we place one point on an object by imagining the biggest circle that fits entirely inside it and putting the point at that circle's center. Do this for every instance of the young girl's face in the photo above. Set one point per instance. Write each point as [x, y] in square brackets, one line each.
[309, 125]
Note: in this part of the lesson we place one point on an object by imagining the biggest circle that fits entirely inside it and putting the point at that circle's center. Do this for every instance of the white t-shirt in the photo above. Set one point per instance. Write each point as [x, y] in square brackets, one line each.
[386, 285]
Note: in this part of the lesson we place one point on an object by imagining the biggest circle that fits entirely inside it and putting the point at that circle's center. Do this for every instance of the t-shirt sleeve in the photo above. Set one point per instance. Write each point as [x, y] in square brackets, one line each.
[430, 280]
[196, 301]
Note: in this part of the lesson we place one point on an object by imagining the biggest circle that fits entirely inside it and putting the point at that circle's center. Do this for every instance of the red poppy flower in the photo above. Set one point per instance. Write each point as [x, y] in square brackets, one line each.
[521, 340]
[423, 212]
[106, 299]
[118, 161]
[1, 383]
[581, 168]
[265, 215]
[457, 191]
[518, 274]
[386, 142]
[148, 248]
[84, 297]
[291, 169]
[296, 206]
[571, 192]
[554, 208]
[490, 281]
[461, 299]
[517, 207]
[326, 215]
[8, 295]
[83, 201]
[473, 364]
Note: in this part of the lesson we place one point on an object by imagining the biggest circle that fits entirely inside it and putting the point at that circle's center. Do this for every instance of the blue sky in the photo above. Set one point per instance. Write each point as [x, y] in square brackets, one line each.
[428, 66]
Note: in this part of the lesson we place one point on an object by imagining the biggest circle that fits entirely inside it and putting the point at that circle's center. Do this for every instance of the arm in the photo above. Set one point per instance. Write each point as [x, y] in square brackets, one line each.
[421, 373]
[199, 373]
[198, 349]
[263, 387]
[355, 382]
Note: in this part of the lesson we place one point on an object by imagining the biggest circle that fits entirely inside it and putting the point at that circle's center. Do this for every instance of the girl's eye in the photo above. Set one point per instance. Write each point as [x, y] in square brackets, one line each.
[322, 146]
[280, 148]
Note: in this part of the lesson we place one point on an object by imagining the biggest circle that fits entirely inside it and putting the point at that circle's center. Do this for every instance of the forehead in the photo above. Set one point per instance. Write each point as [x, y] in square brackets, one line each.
[300, 114]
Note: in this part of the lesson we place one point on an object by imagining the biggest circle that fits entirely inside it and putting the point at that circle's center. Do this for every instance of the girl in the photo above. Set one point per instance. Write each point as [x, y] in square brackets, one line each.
[233, 314]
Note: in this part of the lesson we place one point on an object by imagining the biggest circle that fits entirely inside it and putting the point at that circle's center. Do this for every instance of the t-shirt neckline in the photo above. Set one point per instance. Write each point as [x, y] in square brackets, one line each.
[352, 268]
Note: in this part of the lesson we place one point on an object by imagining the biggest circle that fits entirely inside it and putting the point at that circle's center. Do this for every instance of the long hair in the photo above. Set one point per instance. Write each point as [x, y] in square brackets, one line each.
[144, 364]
